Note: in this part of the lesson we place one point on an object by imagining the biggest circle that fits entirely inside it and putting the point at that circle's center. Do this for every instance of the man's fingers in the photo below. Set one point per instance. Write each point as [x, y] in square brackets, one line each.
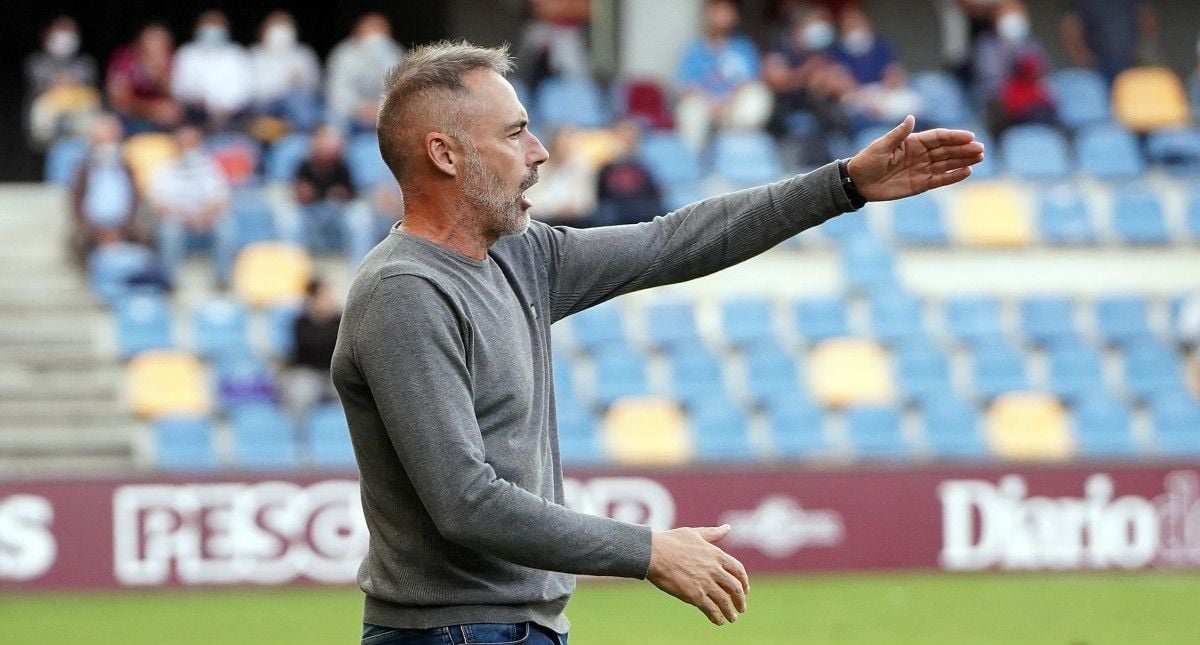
[946, 178]
[724, 603]
[714, 533]
[733, 566]
[734, 588]
[939, 137]
[954, 164]
[956, 151]
[709, 608]
[896, 136]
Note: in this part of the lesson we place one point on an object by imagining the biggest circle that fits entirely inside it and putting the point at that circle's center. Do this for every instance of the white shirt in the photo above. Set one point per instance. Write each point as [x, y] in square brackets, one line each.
[189, 185]
[356, 72]
[220, 77]
[280, 71]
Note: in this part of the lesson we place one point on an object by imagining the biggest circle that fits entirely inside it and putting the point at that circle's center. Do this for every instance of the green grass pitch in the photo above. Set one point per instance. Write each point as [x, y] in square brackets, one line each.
[1071, 609]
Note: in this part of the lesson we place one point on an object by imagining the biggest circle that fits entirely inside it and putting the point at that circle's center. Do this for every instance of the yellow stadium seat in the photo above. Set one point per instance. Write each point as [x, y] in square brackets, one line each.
[271, 273]
[1148, 98]
[1029, 425]
[146, 153]
[599, 147]
[167, 382]
[850, 371]
[646, 431]
[992, 215]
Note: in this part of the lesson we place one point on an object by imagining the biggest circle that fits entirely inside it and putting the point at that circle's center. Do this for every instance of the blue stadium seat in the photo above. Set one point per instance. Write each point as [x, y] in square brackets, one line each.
[281, 323]
[867, 263]
[184, 444]
[1046, 318]
[1035, 152]
[1103, 428]
[922, 371]
[1121, 319]
[1075, 371]
[64, 159]
[263, 437]
[945, 103]
[746, 158]
[143, 322]
[989, 168]
[696, 375]
[619, 372]
[1138, 216]
[219, 326]
[973, 319]
[797, 426]
[571, 101]
[998, 368]
[1177, 426]
[284, 157]
[867, 135]
[771, 371]
[847, 227]
[1109, 151]
[1063, 217]
[564, 375]
[875, 432]
[1192, 216]
[720, 431]
[1152, 370]
[952, 429]
[678, 194]
[1178, 149]
[747, 321]
[1082, 97]
[253, 220]
[243, 379]
[598, 327]
[918, 221]
[896, 317]
[669, 159]
[329, 437]
[578, 441]
[110, 267]
[818, 319]
[367, 168]
[672, 325]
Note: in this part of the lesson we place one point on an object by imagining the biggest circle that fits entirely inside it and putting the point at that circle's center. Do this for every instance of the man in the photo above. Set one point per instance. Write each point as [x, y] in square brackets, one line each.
[62, 84]
[355, 67]
[443, 358]
[139, 82]
[213, 78]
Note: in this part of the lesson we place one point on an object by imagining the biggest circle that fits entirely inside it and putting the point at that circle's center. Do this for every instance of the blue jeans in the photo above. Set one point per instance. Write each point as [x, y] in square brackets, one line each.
[474, 634]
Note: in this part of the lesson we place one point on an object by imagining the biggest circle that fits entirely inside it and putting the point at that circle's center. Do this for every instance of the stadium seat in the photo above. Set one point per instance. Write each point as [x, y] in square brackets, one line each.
[645, 100]
[110, 268]
[1081, 97]
[281, 323]
[991, 215]
[1177, 149]
[989, 168]
[671, 326]
[263, 437]
[1046, 318]
[797, 426]
[1103, 428]
[1075, 372]
[998, 368]
[945, 103]
[875, 432]
[367, 168]
[848, 226]
[1063, 217]
[1149, 98]
[867, 264]
[1121, 319]
[64, 159]
[268, 274]
[720, 431]
[973, 319]
[771, 371]
[1176, 422]
[598, 327]
[219, 326]
[564, 375]
[1035, 152]
[896, 317]
[619, 373]
[570, 101]
[578, 441]
[329, 437]
[746, 322]
[1109, 151]
[1138, 216]
[674, 166]
[184, 444]
[166, 383]
[1192, 216]
[818, 319]
[237, 155]
[696, 375]
[850, 371]
[746, 158]
[242, 379]
[917, 221]
[284, 157]
[143, 323]
[646, 431]
[952, 429]
[1152, 370]
[146, 153]
[922, 371]
[1028, 425]
[253, 220]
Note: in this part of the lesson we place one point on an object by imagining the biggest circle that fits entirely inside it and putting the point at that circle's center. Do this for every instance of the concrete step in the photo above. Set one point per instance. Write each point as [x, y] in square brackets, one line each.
[74, 355]
[29, 294]
[47, 441]
[82, 413]
[29, 384]
[68, 466]
[55, 331]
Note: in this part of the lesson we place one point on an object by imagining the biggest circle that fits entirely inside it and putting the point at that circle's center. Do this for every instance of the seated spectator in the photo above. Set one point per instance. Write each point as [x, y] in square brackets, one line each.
[356, 71]
[325, 216]
[139, 82]
[565, 193]
[191, 197]
[371, 223]
[962, 23]
[306, 381]
[997, 55]
[625, 191]
[719, 79]
[1110, 36]
[553, 42]
[885, 102]
[860, 50]
[62, 85]
[1025, 97]
[212, 76]
[103, 197]
[286, 74]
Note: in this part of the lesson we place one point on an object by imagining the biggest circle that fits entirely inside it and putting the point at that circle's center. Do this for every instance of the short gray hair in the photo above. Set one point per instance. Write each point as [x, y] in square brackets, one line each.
[423, 90]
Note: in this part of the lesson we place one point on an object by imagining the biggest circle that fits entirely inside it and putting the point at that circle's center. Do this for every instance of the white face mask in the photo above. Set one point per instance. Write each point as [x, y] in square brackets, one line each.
[62, 43]
[1013, 27]
[858, 41]
[280, 36]
[817, 35]
[212, 35]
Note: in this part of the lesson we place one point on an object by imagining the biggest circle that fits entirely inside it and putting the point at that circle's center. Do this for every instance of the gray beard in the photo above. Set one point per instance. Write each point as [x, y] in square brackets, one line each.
[499, 212]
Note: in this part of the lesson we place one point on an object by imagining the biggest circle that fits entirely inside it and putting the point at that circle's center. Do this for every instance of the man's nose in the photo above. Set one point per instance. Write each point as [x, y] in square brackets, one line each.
[537, 153]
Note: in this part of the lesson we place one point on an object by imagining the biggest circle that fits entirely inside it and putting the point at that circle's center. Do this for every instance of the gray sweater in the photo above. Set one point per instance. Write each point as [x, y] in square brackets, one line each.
[443, 368]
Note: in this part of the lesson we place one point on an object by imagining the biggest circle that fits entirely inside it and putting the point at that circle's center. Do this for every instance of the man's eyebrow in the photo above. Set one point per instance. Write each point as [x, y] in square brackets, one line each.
[518, 124]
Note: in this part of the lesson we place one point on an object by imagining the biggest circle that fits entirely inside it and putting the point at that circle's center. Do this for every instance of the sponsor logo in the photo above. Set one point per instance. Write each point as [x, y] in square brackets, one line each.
[779, 527]
[27, 546]
[637, 500]
[986, 525]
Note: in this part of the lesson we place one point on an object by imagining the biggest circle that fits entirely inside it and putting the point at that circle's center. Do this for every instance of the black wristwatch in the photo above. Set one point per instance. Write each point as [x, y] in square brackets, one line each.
[856, 199]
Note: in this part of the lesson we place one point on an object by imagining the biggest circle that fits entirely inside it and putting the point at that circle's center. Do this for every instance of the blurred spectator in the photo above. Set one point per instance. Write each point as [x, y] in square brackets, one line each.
[287, 74]
[307, 381]
[860, 50]
[1103, 34]
[371, 223]
[326, 217]
[1025, 97]
[553, 42]
[885, 102]
[566, 188]
[719, 77]
[997, 55]
[62, 85]
[139, 82]
[963, 22]
[103, 197]
[191, 197]
[212, 77]
[356, 69]
[625, 190]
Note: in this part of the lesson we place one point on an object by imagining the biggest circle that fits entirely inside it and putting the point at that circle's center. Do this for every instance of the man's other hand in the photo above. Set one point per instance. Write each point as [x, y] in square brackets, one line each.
[685, 563]
[902, 163]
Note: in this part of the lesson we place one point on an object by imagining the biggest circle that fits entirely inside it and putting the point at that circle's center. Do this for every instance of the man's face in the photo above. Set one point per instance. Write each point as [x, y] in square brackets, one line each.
[502, 156]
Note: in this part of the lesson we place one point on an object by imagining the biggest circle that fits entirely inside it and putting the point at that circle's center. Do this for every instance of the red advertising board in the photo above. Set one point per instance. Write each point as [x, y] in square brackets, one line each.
[308, 528]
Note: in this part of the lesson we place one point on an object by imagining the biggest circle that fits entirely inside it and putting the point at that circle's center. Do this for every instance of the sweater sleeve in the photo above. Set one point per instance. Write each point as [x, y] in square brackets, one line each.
[412, 348]
[589, 266]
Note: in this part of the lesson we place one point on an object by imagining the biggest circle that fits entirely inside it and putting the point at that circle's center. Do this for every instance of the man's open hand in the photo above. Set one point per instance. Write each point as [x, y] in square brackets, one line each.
[902, 163]
[685, 564]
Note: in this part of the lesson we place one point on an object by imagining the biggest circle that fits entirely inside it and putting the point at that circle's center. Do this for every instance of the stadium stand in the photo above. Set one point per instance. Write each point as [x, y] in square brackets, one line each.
[1029, 425]
[646, 431]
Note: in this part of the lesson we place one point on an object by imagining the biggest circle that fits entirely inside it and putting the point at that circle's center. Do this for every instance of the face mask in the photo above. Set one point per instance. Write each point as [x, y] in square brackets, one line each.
[817, 35]
[212, 35]
[280, 36]
[1013, 27]
[377, 42]
[62, 43]
[858, 41]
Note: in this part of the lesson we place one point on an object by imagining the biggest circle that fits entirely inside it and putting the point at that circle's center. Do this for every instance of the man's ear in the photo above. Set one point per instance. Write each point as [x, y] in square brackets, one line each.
[443, 152]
